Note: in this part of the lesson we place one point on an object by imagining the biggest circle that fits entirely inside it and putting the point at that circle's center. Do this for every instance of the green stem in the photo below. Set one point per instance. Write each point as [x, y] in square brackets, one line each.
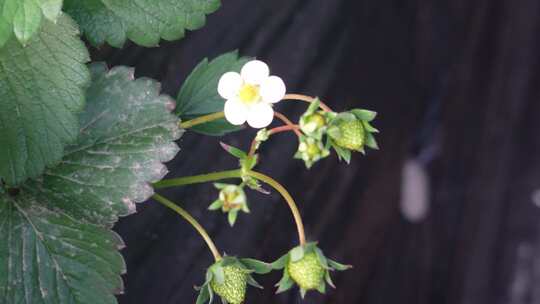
[210, 177]
[201, 120]
[288, 198]
[197, 179]
[193, 223]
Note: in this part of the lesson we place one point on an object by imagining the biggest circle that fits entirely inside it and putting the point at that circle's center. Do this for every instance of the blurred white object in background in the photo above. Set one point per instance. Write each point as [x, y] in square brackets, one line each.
[415, 191]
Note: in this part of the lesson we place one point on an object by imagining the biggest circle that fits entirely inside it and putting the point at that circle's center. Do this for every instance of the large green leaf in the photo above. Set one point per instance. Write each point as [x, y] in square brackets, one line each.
[198, 95]
[143, 21]
[24, 17]
[47, 256]
[42, 88]
[56, 246]
[128, 131]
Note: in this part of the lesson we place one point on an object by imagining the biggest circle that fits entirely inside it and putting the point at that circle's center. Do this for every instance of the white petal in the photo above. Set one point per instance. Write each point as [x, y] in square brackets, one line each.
[273, 89]
[260, 115]
[236, 112]
[255, 72]
[229, 85]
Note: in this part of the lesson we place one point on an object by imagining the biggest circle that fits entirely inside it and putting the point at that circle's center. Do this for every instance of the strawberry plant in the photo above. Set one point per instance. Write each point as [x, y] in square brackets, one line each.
[82, 143]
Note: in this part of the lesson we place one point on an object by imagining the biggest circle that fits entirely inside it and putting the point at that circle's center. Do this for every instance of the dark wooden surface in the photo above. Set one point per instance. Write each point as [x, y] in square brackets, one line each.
[456, 84]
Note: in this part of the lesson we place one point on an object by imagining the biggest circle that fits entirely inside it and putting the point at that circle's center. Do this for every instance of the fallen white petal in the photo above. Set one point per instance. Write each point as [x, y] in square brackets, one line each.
[236, 112]
[260, 115]
[273, 89]
[229, 85]
[255, 72]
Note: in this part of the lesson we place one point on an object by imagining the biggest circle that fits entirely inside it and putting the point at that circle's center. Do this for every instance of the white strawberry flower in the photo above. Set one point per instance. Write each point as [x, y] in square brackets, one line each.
[250, 94]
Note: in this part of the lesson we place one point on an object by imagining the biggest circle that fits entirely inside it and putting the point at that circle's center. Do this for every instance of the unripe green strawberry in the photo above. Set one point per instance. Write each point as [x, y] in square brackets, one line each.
[352, 135]
[233, 289]
[307, 272]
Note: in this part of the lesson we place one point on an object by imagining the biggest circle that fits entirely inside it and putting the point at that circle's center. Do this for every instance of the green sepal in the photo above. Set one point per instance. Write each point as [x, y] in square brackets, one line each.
[343, 154]
[329, 280]
[371, 142]
[217, 271]
[251, 281]
[217, 204]
[233, 151]
[322, 287]
[322, 258]
[369, 127]
[297, 253]
[365, 115]
[281, 262]
[233, 215]
[257, 266]
[285, 283]
[303, 293]
[338, 266]
[204, 295]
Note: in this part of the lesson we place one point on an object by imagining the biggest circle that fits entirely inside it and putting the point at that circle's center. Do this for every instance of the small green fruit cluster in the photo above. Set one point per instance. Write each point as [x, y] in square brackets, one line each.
[308, 268]
[229, 277]
[344, 132]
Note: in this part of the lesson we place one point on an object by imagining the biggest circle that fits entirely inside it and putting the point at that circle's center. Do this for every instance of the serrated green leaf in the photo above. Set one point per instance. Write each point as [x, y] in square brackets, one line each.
[42, 88]
[198, 95]
[25, 17]
[127, 132]
[48, 257]
[257, 266]
[144, 22]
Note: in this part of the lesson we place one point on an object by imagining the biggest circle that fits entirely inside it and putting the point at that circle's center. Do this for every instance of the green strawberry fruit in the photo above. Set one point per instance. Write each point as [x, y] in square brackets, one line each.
[352, 135]
[233, 288]
[307, 272]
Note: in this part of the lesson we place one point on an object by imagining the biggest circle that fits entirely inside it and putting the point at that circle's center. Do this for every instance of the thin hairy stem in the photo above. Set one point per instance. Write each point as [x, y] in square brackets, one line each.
[306, 98]
[197, 179]
[288, 198]
[192, 221]
[201, 120]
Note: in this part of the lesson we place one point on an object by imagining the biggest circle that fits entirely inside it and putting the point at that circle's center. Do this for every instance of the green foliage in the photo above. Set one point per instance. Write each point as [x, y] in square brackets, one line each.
[23, 18]
[42, 88]
[144, 21]
[198, 95]
[57, 248]
[47, 256]
[127, 132]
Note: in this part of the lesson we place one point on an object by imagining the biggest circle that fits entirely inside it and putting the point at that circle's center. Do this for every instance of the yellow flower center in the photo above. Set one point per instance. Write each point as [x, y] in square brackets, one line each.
[249, 94]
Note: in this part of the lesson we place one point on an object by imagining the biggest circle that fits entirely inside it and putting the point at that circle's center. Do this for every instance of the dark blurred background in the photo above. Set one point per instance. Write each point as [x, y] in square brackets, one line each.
[446, 212]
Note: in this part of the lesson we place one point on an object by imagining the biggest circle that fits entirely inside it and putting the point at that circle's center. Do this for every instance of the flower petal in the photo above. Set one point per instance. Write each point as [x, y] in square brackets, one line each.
[260, 115]
[255, 72]
[236, 112]
[229, 85]
[273, 89]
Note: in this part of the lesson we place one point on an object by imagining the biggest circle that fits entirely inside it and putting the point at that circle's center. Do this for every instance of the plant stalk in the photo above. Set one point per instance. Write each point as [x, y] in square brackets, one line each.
[191, 220]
